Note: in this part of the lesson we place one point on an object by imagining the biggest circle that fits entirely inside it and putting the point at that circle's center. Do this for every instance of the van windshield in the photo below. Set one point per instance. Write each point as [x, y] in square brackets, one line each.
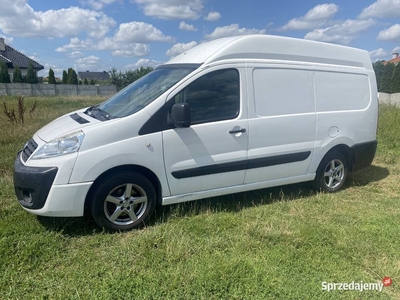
[143, 91]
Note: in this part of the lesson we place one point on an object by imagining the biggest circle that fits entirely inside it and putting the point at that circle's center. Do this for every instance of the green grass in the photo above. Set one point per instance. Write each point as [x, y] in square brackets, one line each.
[277, 243]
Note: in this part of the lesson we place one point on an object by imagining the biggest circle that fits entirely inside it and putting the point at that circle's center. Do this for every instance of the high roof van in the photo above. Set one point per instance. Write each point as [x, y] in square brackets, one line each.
[231, 115]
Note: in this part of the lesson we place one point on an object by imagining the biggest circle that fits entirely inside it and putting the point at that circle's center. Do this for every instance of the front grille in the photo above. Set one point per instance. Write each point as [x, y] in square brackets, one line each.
[29, 148]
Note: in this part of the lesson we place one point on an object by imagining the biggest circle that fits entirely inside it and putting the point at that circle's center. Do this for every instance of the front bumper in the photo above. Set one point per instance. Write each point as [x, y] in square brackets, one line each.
[32, 184]
[37, 191]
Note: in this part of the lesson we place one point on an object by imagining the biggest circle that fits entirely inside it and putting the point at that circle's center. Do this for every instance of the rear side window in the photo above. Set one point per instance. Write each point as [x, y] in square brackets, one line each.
[212, 97]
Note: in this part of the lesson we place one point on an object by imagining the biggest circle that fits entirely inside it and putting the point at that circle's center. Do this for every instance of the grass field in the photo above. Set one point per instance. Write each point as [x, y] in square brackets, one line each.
[277, 243]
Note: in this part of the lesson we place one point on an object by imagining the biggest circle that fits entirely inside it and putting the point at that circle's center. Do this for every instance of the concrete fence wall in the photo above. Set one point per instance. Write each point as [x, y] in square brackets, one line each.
[27, 89]
[389, 98]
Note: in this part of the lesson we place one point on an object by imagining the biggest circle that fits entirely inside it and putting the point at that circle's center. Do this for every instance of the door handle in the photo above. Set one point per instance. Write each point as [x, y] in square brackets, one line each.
[237, 130]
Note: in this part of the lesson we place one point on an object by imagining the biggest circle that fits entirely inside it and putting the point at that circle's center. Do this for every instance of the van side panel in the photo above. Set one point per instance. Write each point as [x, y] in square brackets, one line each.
[347, 107]
[282, 124]
[341, 91]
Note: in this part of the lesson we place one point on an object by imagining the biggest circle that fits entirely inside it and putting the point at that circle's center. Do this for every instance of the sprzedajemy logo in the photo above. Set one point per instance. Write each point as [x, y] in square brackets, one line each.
[356, 286]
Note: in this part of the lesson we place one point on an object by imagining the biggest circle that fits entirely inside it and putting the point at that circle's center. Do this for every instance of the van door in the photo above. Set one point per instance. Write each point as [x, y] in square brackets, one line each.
[212, 152]
[282, 123]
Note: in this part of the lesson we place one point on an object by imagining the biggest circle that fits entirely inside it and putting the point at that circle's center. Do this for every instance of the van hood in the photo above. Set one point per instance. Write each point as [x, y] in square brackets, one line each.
[66, 124]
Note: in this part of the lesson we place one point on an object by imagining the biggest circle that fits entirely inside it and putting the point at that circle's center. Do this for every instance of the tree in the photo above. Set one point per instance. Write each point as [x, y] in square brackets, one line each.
[379, 68]
[92, 82]
[72, 77]
[133, 75]
[52, 79]
[17, 76]
[121, 80]
[31, 75]
[85, 81]
[64, 77]
[386, 86]
[396, 80]
[117, 78]
[4, 76]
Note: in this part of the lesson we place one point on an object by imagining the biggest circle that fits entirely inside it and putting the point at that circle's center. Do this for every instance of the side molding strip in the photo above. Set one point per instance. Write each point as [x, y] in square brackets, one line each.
[242, 165]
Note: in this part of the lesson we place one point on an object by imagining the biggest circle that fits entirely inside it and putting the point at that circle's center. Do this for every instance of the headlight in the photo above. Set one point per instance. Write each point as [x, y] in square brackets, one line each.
[61, 146]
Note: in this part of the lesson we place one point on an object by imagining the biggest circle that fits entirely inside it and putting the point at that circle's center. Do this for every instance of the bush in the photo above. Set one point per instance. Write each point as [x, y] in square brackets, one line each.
[17, 76]
[64, 77]
[31, 75]
[395, 88]
[52, 78]
[4, 76]
[72, 77]
[18, 117]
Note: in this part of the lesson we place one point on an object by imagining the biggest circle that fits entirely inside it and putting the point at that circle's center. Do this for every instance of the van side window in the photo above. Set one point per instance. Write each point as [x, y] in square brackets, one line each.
[213, 97]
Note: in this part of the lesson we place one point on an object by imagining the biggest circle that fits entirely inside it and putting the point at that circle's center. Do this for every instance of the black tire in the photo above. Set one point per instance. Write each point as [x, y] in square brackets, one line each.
[331, 173]
[123, 202]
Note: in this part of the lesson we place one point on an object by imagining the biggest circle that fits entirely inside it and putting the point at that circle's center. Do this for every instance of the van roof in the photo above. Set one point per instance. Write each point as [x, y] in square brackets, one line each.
[274, 48]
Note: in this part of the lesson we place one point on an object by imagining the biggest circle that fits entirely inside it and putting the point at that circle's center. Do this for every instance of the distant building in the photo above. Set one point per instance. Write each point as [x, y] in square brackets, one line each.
[395, 59]
[93, 75]
[14, 58]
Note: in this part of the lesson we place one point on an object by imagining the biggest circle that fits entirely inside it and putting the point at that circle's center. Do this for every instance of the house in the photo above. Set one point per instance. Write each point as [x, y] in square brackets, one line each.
[93, 75]
[395, 59]
[14, 58]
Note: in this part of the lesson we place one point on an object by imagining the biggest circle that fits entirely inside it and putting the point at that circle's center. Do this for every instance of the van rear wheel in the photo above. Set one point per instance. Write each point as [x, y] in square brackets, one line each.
[332, 173]
[123, 202]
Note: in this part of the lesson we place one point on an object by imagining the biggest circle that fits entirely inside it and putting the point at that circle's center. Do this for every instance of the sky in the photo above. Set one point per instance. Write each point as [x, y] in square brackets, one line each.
[97, 35]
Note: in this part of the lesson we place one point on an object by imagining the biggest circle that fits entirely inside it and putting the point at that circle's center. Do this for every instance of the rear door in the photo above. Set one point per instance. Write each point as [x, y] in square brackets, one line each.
[212, 152]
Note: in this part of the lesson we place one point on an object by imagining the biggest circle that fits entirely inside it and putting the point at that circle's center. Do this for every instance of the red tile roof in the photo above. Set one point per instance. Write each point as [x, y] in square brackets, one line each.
[394, 60]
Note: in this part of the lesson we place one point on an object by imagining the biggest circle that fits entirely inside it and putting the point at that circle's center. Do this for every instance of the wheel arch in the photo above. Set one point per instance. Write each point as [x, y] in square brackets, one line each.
[346, 151]
[150, 175]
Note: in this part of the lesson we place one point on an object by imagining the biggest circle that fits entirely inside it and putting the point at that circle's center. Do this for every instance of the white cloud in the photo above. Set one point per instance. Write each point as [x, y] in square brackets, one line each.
[378, 53]
[88, 63]
[171, 9]
[60, 23]
[139, 32]
[98, 4]
[382, 9]
[144, 63]
[130, 40]
[212, 16]
[75, 54]
[341, 33]
[117, 49]
[186, 27]
[318, 16]
[390, 34]
[396, 50]
[57, 70]
[133, 50]
[180, 48]
[231, 30]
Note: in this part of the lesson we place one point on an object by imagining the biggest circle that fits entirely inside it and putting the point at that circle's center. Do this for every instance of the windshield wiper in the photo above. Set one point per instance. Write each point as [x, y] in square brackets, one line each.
[105, 114]
[95, 112]
[88, 111]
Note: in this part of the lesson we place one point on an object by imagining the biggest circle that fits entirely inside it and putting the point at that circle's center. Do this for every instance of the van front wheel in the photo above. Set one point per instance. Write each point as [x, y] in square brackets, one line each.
[123, 202]
[331, 174]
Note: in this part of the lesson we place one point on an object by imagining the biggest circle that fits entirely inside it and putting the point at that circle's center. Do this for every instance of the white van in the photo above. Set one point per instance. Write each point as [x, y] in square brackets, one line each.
[231, 115]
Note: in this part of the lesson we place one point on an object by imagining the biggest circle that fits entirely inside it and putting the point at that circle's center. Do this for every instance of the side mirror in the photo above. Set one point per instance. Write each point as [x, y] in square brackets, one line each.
[180, 115]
